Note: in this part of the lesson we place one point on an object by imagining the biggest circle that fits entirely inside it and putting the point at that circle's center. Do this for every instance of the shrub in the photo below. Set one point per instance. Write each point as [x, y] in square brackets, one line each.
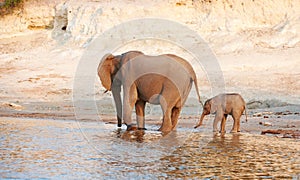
[8, 6]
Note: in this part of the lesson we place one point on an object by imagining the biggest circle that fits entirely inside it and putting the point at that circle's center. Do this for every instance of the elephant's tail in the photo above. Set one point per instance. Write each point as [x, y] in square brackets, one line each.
[246, 113]
[197, 90]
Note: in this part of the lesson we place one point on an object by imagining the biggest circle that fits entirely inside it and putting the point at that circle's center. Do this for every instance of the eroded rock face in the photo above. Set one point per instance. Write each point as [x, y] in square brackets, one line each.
[238, 24]
[60, 21]
[34, 15]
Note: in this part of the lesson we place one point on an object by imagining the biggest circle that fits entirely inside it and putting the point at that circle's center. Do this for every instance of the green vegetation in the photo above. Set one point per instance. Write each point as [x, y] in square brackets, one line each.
[11, 3]
[8, 6]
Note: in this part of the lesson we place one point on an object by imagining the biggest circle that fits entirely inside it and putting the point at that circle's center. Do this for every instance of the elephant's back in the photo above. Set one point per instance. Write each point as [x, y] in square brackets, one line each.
[235, 99]
[189, 68]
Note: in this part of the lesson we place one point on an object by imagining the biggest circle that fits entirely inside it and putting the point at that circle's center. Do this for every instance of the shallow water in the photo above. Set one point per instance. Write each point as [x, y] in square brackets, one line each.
[35, 148]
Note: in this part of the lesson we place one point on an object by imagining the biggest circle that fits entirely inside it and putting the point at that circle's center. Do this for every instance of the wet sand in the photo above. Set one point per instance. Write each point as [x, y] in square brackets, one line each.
[259, 119]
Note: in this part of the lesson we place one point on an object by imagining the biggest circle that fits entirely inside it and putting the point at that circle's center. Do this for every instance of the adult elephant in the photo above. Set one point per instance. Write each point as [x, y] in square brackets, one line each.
[165, 79]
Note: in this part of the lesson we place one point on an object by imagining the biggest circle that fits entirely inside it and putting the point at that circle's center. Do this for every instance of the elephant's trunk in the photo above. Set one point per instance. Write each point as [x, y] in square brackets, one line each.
[200, 121]
[116, 90]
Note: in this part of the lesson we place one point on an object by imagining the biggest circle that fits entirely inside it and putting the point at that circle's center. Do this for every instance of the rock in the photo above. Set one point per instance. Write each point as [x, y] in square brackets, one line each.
[279, 113]
[265, 123]
[82, 20]
[287, 136]
[264, 114]
[34, 15]
[13, 106]
[257, 115]
[285, 133]
[60, 20]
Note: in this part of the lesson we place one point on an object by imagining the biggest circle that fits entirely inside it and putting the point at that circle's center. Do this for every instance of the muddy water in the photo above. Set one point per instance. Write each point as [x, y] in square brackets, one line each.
[35, 148]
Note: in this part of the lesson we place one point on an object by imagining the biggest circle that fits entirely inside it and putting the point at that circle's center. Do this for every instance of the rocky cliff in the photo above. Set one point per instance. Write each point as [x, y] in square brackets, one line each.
[228, 25]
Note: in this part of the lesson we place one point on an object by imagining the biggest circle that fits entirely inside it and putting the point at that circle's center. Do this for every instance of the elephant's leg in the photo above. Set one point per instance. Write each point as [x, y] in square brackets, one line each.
[129, 100]
[167, 123]
[238, 123]
[223, 122]
[174, 116]
[140, 114]
[236, 119]
[218, 117]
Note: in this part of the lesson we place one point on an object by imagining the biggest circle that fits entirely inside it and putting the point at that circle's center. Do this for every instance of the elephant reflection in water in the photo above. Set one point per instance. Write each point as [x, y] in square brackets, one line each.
[165, 80]
[137, 136]
[158, 140]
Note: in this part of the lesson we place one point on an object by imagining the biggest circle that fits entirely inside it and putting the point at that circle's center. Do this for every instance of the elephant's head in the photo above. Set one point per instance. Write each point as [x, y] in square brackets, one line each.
[207, 109]
[210, 106]
[108, 70]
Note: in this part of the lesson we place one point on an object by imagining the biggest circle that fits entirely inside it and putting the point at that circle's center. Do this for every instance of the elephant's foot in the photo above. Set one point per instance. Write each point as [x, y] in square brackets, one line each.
[215, 132]
[222, 135]
[131, 128]
[234, 131]
[165, 129]
[119, 122]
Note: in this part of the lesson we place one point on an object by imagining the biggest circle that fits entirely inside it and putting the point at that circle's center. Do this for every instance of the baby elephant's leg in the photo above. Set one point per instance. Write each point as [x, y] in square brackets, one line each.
[236, 123]
[218, 117]
[223, 122]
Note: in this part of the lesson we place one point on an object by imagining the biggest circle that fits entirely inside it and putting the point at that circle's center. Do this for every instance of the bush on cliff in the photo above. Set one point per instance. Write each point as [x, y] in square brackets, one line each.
[8, 6]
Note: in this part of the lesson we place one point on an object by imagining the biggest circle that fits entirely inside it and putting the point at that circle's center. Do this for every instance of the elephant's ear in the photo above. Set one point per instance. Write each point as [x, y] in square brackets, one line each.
[209, 105]
[105, 70]
[213, 106]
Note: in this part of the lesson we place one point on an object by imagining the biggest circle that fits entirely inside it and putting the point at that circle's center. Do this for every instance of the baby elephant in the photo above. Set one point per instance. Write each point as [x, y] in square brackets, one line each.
[222, 105]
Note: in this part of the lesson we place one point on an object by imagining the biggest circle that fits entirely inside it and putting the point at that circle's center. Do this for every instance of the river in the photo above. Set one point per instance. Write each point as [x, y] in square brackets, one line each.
[66, 149]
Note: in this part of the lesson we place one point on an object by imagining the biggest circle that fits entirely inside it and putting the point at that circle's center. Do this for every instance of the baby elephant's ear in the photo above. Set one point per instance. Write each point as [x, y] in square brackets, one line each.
[208, 101]
[105, 71]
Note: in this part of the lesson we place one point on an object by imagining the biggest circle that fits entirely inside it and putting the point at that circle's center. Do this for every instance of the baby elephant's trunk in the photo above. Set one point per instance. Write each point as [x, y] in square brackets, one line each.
[200, 121]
